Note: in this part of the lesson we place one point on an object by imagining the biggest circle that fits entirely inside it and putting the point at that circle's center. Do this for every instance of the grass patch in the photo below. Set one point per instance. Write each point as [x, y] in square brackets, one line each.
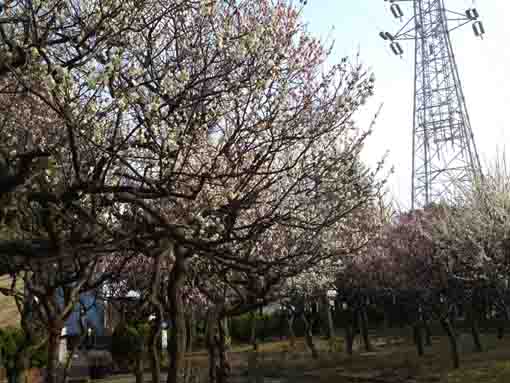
[9, 315]
[391, 363]
[495, 372]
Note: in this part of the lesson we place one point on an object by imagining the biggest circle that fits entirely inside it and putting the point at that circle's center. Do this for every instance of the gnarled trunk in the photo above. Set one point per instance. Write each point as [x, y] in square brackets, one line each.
[253, 334]
[475, 332]
[18, 374]
[349, 333]
[453, 315]
[386, 319]
[447, 326]
[139, 368]
[309, 336]
[504, 319]
[154, 354]
[177, 341]
[418, 338]
[292, 334]
[191, 330]
[53, 345]
[211, 346]
[155, 331]
[501, 332]
[219, 366]
[329, 317]
[226, 329]
[224, 365]
[475, 329]
[363, 323]
[428, 332]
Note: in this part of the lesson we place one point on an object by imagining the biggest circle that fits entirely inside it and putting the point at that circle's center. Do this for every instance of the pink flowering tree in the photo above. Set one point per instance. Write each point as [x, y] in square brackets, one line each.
[416, 268]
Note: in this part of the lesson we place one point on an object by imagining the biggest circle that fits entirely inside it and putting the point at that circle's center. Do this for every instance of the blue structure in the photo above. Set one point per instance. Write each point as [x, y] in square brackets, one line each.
[92, 316]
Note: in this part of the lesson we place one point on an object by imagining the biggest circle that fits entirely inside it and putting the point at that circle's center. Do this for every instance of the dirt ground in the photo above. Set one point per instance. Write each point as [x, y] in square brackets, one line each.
[394, 360]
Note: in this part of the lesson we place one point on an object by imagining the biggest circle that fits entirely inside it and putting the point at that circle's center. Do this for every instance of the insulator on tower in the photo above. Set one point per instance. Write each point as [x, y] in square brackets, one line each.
[478, 29]
[396, 48]
[397, 11]
[390, 36]
[472, 14]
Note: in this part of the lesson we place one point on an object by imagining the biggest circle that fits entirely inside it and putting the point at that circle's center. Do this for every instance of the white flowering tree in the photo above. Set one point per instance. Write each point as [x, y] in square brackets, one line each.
[474, 236]
[187, 128]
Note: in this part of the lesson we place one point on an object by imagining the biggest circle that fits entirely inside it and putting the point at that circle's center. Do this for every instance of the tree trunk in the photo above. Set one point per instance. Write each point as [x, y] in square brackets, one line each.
[139, 368]
[192, 330]
[418, 338]
[428, 332]
[349, 339]
[177, 341]
[501, 331]
[349, 332]
[475, 330]
[386, 319]
[154, 354]
[69, 360]
[154, 298]
[292, 334]
[18, 374]
[262, 325]
[224, 365]
[309, 337]
[53, 345]
[453, 315]
[329, 317]
[447, 326]
[281, 324]
[253, 335]
[226, 330]
[501, 326]
[363, 323]
[188, 372]
[22, 366]
[331, 327]
[15, 376]
[211, 346]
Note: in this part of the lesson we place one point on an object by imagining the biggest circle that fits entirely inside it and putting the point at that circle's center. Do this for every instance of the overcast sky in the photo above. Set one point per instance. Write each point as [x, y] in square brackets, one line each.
[482, 67]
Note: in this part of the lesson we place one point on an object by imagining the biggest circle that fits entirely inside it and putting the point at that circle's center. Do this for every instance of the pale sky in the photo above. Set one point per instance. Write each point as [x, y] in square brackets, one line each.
[482, 65]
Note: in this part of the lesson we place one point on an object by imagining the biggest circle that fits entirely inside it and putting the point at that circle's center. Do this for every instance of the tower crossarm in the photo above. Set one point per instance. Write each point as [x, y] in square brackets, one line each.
[453, 19]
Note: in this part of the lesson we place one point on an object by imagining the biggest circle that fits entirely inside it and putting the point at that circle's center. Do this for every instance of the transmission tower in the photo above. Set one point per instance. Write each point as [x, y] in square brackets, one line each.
[444, 151]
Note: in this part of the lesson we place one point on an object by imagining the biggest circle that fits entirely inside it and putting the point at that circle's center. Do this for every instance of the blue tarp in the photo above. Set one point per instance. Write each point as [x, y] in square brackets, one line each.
[94, 315]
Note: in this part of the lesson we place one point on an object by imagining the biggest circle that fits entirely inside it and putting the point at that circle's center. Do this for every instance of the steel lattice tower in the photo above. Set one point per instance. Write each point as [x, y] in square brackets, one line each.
[444, 150]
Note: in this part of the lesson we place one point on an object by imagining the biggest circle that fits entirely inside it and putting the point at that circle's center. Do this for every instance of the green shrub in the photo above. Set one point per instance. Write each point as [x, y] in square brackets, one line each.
[129, 342]
[240, 328]
[13, 341]
[268, 326]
